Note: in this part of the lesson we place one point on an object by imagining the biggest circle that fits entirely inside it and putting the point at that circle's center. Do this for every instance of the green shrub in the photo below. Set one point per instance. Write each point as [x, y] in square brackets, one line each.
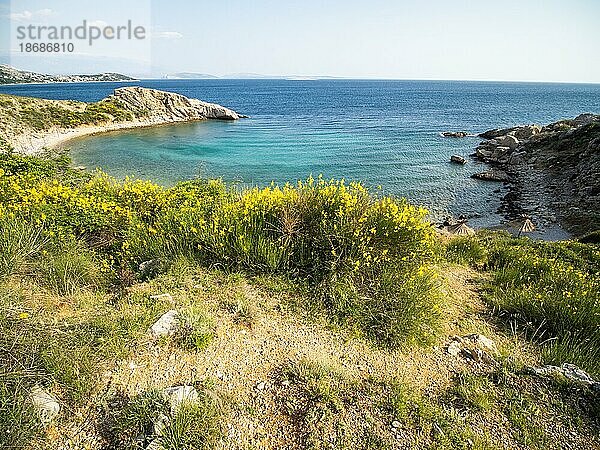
[368, 259]
[465, 250]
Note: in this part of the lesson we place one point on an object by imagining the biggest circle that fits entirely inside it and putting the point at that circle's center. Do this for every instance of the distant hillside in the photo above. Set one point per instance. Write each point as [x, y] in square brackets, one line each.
[9, 74]
[190, 76]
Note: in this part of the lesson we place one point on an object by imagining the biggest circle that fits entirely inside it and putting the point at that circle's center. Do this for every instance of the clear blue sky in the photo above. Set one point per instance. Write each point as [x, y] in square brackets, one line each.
[532, 40]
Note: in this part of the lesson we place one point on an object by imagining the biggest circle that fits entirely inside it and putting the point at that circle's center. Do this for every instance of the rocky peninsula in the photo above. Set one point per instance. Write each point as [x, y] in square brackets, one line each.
[10, 75]
[552, 171]
[30, 125]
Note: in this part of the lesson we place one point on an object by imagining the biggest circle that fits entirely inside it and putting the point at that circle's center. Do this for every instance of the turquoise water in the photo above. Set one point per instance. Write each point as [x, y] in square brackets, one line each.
[384, 133]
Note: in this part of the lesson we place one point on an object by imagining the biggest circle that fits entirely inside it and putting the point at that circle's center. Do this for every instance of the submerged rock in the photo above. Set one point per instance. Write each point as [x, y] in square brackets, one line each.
[454, 134]
[491, 175]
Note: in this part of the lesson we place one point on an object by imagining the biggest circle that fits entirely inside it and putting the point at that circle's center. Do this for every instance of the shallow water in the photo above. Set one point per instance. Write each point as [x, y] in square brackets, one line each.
[384, 133]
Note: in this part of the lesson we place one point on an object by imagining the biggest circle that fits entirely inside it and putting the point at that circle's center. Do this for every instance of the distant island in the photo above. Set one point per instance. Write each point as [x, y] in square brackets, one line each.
[10, 75]
[243, 76]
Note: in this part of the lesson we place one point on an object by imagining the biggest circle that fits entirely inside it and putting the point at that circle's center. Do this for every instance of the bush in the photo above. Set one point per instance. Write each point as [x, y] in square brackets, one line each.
[319, 231]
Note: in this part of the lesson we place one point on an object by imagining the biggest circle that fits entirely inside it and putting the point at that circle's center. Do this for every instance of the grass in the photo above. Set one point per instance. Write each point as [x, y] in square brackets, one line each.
[474, 391]
[133, 423]
[74, 304]
[20, 242]
[195, 426]
[548, 291]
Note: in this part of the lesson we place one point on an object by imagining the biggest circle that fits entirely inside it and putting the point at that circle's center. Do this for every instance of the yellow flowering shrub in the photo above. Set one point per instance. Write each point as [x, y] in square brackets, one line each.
[317, 229]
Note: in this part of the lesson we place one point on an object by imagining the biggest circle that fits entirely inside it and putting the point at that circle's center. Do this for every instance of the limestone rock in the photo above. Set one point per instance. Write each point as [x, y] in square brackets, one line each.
[570, 372]
[45, 404]
[454, 134]
[507, 141]
[491, 175]
[481, 341]
[454, 348]
[168, 106]
[155, 445]
[457, 159]
[526, 132]
[167, 325]
[149, 267]
[177, 395]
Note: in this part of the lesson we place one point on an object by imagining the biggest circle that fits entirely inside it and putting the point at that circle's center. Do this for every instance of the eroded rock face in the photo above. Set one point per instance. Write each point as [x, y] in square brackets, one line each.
[168, 106]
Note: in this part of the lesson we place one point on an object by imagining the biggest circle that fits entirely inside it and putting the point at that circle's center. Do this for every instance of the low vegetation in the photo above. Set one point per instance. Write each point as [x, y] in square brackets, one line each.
[547, 291]
[306, 314]
[21, 114]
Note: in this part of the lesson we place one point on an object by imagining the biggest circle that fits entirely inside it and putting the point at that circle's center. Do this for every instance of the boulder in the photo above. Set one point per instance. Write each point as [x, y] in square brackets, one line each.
[45, 404]
[167, 325]
[481, 341]
[491, 175]
[507, 141]
[454, 134]
[526, 132]
[457, 159]
[570, 372]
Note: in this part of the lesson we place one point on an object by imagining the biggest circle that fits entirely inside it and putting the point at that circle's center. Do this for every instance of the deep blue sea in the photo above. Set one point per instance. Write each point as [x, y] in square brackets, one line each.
[384, 133]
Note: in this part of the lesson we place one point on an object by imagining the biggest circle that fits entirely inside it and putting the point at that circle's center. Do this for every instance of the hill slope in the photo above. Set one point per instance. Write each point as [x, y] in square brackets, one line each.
[10, 75]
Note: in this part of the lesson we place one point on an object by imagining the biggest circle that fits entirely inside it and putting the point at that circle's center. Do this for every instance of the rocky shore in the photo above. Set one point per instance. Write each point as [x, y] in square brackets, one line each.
[28, 125]
[552, 171]
[10, 75]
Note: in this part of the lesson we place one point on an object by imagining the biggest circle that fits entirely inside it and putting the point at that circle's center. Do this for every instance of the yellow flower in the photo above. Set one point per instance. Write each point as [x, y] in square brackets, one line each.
[23, 315]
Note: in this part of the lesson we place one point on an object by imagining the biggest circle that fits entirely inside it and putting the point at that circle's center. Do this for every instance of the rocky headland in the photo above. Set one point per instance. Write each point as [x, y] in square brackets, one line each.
[10, 75]
[552, 171]
[30, 125]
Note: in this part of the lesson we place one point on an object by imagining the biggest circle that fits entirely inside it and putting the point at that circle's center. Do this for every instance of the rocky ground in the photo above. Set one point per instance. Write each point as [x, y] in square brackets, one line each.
[553, 171]
[284, 381]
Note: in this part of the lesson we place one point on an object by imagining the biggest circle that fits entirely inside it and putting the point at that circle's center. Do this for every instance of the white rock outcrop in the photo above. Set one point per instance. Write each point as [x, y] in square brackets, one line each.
[167, 325]
[45, 404]
[161, 106]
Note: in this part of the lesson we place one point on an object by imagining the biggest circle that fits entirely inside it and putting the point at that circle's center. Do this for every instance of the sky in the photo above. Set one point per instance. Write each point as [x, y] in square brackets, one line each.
[525, 40]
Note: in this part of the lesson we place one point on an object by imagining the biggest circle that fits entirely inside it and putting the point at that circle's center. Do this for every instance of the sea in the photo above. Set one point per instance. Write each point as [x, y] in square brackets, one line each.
[383, 133]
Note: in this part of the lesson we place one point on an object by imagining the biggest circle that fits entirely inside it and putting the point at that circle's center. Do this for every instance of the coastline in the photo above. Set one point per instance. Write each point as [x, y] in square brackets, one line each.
[43, 83]
[34, 145]
[58, 121]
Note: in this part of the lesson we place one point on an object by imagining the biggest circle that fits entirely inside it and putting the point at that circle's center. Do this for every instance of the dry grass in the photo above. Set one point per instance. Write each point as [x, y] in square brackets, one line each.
[287, 370]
